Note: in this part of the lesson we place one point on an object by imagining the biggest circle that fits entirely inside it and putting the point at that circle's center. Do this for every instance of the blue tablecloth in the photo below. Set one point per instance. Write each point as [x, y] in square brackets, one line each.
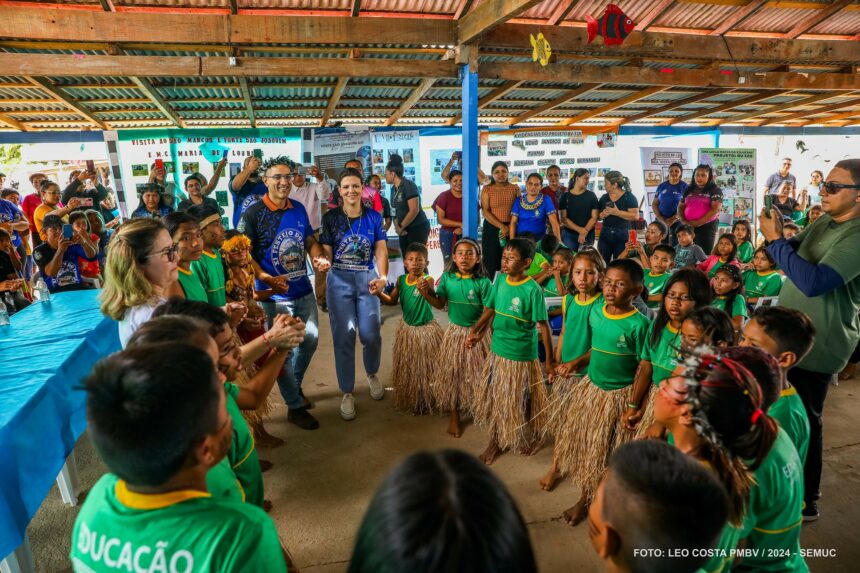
[44, 354]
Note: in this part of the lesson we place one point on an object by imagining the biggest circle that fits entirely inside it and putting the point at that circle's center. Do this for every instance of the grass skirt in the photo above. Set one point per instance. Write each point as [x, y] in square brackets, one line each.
[416, 349]
[647, 413]
[590, 431]
[242, 378]
[510, 401]
[458, 369]
[558, 409]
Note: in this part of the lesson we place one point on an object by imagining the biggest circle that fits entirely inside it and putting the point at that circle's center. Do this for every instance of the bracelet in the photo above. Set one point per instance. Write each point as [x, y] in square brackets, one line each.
[632, 406]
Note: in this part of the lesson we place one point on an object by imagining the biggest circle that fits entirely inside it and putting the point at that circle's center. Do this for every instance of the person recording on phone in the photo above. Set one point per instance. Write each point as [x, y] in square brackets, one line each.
[58, 257]
[84, 185]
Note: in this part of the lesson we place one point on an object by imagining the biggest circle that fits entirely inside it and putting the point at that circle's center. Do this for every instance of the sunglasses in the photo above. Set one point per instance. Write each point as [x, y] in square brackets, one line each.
[169, 252]
[831, 188]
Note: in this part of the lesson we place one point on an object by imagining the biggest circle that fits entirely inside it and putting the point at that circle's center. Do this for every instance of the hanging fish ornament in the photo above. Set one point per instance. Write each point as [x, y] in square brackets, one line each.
[541, 50]
[614, 26]
[801, 146]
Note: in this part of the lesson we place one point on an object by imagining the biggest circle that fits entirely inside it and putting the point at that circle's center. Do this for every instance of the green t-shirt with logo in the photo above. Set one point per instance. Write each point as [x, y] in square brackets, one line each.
[550, 290]
[772, 523]
[757, 285]
[654, 284]
[466, 295]
[739, 306]
[416, 309]
[519, 306]
[221, 482]
[576, 339]
[746, 252]
[789, 411]
[617, 342]
[537, 264]
[243, 453]
[210, 269]
[833, 313]
[187, 530]
[191, 285]
[663, 356]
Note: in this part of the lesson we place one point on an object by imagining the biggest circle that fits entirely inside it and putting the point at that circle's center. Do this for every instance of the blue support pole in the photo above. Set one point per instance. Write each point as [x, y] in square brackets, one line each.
[471, 152]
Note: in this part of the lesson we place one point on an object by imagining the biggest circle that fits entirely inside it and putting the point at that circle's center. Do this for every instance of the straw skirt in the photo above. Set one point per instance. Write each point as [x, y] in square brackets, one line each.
[510, 402]
[589, 431]
[416, 350]
[242, 378]
[458, 369]
[647, 413]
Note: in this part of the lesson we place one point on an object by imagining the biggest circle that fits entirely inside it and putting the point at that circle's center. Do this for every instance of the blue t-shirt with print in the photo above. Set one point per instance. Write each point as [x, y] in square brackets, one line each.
[250, 193]
[9, 213]
[69, 275]
[278, 244]
[353, 241]
[531, 216]
[669, 197]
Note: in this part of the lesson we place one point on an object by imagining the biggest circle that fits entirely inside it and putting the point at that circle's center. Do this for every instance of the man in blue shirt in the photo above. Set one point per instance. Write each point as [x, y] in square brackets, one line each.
[247, 188]
[59, 258]
[666, 200]
[281, 238]
[12, 219]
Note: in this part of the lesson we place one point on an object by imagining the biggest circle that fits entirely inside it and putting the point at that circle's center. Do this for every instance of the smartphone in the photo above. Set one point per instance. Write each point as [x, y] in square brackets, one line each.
[159, 164]
[91, 166]
[768, 205]
[458, 154]
[68, 231]
[224, 155]
[631, 236]
[86, 201]
[258, 153]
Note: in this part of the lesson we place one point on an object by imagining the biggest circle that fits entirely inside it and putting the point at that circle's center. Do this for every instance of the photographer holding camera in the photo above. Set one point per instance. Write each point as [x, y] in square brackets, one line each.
[84, 185]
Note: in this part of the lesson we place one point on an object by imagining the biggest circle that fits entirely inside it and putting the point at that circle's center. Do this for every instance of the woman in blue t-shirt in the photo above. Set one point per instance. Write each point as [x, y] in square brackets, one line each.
[352, 238]
[618, 209]
[533, 210]
[668, 196]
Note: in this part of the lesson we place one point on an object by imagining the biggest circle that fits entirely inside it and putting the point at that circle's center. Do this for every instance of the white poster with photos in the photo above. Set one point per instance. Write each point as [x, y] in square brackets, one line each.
[655, 169]
[735, 174]
[384, 144]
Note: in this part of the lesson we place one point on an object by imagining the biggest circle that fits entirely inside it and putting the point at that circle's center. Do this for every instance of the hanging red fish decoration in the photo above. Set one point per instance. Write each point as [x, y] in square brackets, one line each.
[614, 26]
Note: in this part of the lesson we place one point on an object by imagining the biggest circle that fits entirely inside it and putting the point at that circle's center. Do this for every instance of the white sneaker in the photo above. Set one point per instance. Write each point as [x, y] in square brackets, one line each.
[377, 391]
[347, 407]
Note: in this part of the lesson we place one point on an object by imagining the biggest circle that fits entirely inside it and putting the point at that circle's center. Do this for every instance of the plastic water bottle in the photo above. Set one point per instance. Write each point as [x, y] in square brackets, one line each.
[10, 303]
[42, 291]
[4, 315]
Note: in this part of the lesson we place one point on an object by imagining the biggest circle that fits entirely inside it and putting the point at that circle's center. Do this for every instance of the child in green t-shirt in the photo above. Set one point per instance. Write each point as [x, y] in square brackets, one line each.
[763, 280]
[156, 490]
[185, 233]
[418, 337]
[743, 236]
[210, 266]
[583, 293]
[555, 285]
[618, 337]
[787, 335]
[657, 273]
[466, 291]
[510, 399]
[728, 288]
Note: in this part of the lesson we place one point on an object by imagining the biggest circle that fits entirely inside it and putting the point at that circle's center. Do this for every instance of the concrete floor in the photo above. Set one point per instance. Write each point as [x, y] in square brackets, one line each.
[323, 480]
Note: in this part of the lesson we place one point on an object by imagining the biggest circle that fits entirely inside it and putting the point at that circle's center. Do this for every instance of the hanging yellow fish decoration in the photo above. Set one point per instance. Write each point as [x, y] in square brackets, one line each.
[541, 49]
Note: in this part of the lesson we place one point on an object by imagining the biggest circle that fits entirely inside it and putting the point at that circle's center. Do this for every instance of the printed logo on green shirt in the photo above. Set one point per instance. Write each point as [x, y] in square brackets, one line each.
[515, 304]
[622, 342]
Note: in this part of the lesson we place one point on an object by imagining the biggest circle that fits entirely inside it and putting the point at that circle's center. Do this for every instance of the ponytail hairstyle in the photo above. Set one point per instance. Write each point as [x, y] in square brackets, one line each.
[728, 412]
[395, 165]
[699, 289]
[578, 172]
[478, 270]
[126, 284]
[617, 178]
[734, 273]
[597, 261]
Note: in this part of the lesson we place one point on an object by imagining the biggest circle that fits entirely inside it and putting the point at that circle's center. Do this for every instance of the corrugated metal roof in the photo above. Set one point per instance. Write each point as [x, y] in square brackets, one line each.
[634, 9]
[770, 19]
[686, 15]
[843, 22]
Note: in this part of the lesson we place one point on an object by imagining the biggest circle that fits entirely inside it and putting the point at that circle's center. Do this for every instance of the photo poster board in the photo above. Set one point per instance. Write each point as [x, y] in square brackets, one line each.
[655, 170]
[735, 174]
[435, 152]
[332, 150]
[384, 144]
[185, 151]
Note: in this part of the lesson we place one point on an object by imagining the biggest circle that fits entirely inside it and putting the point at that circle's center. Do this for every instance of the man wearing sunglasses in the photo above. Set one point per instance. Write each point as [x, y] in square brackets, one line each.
[822, 266]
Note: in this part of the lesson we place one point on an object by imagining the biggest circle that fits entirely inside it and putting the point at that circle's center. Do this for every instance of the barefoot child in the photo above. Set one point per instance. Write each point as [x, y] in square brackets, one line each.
[418, 337]
[743, 237]
[584, 292]
[763, 280]
[618, 338]
[686, 291]
[728, 287]
[466, 291]
[511, 397]
[725, 253]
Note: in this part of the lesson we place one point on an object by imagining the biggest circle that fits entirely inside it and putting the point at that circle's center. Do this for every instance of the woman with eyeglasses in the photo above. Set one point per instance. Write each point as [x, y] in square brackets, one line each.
[141, 265]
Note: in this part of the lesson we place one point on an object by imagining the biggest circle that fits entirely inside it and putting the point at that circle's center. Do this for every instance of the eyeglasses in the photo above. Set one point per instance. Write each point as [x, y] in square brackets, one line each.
[831, 188]
[279, 176]
[169, 252]
[682, 298]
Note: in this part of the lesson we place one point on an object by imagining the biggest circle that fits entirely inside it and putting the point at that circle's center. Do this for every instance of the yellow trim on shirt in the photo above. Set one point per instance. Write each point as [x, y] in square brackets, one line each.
[767, 274]
[777, 531]
[184, 272]
[406, 279]
[208, 254]
[247, 455]
[587, 301]
[790, 391]
[136, 500]
[672, 330]
[651, 274]
[614, 353]
[618, 316]
[518, 283]
[514, 317]
[459, 276]
[241, 490]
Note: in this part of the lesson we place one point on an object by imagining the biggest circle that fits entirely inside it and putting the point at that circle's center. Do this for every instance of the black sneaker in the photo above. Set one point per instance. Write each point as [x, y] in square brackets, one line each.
[323, 306]
[810, 512]
[302, 418]
[307, 403]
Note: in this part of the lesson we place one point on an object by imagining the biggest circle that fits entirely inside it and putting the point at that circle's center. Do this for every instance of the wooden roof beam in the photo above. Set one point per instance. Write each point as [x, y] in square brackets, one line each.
[837, 117]
[11, 122]
[568, 96]
[675, 105]
[816, 18]
[488, 15]
[45, 85]
[816, 111]
[157, 99]
[792, 104]
[739, 16]
[614, 105]
[655, 12]
[462, 9]
[497, 93]
[333, 100]
[249, 105]
[416, 95]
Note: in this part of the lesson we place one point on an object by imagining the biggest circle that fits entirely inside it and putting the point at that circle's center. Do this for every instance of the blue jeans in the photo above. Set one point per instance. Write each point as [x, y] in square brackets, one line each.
[571, 239]
[290, 379]
[612, 242]
[446, 243]
[351, 307]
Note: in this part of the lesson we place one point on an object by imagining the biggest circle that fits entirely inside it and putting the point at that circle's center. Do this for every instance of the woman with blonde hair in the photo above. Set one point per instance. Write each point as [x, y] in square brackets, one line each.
[141, 264]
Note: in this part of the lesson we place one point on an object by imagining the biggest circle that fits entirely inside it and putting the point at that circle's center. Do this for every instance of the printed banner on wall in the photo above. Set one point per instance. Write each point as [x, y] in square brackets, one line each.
[734, 173]
[655, 169]
[332, 150]
[188, 151]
